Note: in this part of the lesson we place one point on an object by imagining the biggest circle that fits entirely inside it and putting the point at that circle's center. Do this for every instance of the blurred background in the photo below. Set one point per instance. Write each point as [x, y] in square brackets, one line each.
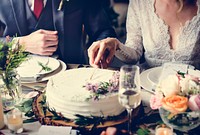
[117, 12]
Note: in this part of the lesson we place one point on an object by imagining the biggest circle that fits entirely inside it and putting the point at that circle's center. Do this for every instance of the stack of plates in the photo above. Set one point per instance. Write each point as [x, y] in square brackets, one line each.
[150, 78]
[31, 70]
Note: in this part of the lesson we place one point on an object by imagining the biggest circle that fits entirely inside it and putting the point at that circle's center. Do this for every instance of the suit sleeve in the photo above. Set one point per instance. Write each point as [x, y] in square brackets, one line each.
[2, 39]
[97, 24]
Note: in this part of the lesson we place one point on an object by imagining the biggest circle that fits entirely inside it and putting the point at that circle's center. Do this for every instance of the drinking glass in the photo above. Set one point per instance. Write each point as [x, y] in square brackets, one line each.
[129, 90]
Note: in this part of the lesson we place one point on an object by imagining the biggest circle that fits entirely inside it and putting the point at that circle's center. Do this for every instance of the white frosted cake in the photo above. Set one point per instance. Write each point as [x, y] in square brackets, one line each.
[73, 92]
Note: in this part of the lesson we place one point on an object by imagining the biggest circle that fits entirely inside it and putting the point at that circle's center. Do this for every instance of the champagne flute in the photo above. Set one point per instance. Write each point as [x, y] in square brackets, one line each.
[129, 90]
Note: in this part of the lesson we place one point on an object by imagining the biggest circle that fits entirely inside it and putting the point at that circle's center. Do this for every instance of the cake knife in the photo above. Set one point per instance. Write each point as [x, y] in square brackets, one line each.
[101, 66]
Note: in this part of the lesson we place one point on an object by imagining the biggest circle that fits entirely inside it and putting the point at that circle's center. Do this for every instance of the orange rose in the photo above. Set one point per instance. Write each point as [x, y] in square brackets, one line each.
[175, 104]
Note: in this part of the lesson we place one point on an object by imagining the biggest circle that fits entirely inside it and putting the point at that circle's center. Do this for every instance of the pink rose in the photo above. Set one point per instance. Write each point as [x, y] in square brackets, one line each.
[156, 100]
[194, 102]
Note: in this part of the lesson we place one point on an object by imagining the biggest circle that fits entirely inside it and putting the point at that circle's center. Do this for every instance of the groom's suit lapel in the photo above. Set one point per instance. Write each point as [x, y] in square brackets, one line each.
[58, 20]
[18, 8]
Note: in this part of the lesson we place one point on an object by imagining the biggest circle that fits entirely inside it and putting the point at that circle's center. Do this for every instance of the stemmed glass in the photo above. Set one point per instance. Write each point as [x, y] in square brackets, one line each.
[129, 90]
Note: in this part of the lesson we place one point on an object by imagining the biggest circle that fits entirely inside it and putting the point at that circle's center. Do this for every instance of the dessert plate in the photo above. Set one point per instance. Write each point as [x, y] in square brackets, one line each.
[45, 77]
[154, 75]
[37, 65]
[149, 78]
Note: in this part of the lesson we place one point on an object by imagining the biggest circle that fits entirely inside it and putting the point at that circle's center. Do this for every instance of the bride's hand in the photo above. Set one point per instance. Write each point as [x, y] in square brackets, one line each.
[102, 52]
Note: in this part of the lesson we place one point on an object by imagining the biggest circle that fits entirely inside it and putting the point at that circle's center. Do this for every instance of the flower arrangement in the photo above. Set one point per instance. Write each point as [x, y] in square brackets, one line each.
[177, 93]
[178, 99]
[103, 88]
[11, 56]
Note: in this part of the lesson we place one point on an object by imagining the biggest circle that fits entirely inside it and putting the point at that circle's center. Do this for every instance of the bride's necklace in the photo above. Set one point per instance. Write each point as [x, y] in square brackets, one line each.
[179, 10]
[179, 20]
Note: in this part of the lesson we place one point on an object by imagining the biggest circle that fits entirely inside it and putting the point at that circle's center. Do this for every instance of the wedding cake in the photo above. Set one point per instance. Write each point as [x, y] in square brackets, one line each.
[84, 91]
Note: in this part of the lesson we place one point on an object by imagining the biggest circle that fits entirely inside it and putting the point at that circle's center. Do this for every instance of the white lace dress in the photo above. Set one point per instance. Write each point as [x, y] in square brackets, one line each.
[146, 31]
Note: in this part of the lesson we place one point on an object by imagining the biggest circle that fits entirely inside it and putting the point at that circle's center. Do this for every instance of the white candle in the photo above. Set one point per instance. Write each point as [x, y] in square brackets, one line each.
[15, 121]
[1, 115]
[164, 130]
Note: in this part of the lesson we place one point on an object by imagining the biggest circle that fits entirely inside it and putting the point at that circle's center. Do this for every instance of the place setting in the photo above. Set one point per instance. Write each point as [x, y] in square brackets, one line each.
[151, 77]
[39, 68]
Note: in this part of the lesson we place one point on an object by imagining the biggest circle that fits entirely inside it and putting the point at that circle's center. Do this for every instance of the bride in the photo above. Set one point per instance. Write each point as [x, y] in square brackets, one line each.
[164, 30]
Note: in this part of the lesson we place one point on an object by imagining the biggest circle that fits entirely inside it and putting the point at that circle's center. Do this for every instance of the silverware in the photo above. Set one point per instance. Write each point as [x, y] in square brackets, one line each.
[101, 66]
[91, 76]
[37, 77]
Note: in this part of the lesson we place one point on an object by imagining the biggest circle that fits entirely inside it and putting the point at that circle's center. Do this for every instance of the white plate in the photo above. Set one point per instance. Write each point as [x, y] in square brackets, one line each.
[31, 67]
[154, 75]
[149, 78]
[61, 68]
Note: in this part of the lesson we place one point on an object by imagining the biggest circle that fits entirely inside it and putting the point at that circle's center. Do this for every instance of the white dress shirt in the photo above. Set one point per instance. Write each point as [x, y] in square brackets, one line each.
[31, 3]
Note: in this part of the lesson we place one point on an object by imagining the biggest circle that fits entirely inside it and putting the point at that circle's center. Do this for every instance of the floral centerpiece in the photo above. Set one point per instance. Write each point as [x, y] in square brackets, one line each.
[11, 56]
[178, 99]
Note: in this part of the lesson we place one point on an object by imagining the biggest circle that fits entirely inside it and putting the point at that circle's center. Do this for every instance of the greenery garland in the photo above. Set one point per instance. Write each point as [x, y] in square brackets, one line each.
[26, 106]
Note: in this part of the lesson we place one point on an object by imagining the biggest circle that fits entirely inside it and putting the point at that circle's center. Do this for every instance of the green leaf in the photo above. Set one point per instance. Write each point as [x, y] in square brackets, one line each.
[21, 108]
[143, 131]
[44, 67]
[28, 103]
[30, 120]
[29, 114]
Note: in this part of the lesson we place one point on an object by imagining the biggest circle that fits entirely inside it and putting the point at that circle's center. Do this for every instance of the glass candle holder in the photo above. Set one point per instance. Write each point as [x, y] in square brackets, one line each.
[15, 121]
[164, 130]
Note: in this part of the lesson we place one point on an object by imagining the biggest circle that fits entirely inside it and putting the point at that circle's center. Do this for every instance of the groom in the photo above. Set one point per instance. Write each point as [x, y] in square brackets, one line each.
[46, 27]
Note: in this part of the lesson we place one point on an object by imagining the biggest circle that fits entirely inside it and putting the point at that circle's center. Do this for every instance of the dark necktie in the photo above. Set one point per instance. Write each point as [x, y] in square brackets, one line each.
[38, 6]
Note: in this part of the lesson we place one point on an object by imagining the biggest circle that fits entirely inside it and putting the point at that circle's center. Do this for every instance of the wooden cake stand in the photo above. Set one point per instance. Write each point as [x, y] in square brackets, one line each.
[45, 116]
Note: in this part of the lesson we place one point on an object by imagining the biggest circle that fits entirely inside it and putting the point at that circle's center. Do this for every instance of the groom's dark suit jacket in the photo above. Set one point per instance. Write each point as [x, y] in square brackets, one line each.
[16, 18]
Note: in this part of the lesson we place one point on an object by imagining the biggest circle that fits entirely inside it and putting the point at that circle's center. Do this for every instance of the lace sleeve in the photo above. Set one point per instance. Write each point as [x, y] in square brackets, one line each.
[133, 49]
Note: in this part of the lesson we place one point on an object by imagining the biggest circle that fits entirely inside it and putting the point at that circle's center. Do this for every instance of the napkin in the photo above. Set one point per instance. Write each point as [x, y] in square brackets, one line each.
[56, 130]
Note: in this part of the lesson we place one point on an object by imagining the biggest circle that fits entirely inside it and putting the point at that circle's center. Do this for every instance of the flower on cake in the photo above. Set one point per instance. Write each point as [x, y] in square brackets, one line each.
[102, 88]
[177, 93]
